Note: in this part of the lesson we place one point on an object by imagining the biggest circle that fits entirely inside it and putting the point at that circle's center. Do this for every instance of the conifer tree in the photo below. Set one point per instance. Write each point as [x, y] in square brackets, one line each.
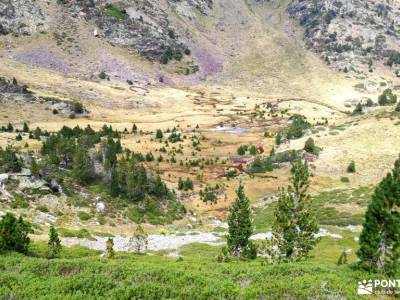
[54, 242]
[253, 150]
[14, 233]
[181, 184]
[295, 225]
[240, 226]
[351, 168]
[25, 128]
[34, 168]
[134, 129]
[81, 166]
[139, 241]
[114, 187]
[10, 128]
[110, 253]
[380, 238]
[9, 161]
[159, 134]
[278, 138]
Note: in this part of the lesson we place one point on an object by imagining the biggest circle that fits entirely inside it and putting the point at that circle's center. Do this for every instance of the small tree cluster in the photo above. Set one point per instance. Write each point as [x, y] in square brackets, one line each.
[14, 233]
[185, 185]
[297, 127]
[210, 194]
[130, 179]
[10, 162]
[243, 149]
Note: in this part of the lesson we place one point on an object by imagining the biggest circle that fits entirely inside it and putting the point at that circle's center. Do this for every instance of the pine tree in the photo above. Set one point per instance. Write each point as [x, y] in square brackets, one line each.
[358, 110]
[54, 242]
[351, 168]
[159, 134]
[134, 129]
[25, 127]
[139, 241]
[278, 138]
[10, 128]
[14, 233]
[253, 150]
[188, 185]
[240, 226]
[110, 253]
[9, 160]
[380, 238]
[310, 147]
[34, 168]
[81, 166]
[295, 225]
[241, 150]
[114, 187]
[181, 184]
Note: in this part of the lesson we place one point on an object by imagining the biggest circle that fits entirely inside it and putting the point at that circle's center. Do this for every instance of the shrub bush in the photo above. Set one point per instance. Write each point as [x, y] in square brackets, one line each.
[84, 216]
[387, 98]
[351, 168]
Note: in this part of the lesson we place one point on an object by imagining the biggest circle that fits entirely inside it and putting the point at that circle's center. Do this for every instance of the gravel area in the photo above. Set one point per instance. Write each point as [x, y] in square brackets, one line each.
[158, 242]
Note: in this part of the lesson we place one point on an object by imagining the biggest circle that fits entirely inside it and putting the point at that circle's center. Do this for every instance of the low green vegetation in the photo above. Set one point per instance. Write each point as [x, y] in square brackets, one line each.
[81, 233]
[84, 216]
[78, 273]
[115, 11]
[326, 207]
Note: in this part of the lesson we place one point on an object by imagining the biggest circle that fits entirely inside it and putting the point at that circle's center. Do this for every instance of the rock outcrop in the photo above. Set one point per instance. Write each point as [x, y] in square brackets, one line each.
[21, 17]
[350, 34]
[141, 25]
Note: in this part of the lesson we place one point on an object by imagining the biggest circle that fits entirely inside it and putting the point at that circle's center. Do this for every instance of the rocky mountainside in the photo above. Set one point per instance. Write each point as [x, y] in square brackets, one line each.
[186, 42]
[142, 25]
[350, 34]
[21, 17]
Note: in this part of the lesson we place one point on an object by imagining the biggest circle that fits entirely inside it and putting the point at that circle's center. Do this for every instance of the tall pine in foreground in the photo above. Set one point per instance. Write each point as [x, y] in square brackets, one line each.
[295, 225]
[240, 227]
[380, 238]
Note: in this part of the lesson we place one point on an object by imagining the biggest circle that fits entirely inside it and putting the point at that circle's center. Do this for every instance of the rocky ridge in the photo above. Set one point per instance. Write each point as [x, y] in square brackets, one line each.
[21, 17]
[350, 34]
